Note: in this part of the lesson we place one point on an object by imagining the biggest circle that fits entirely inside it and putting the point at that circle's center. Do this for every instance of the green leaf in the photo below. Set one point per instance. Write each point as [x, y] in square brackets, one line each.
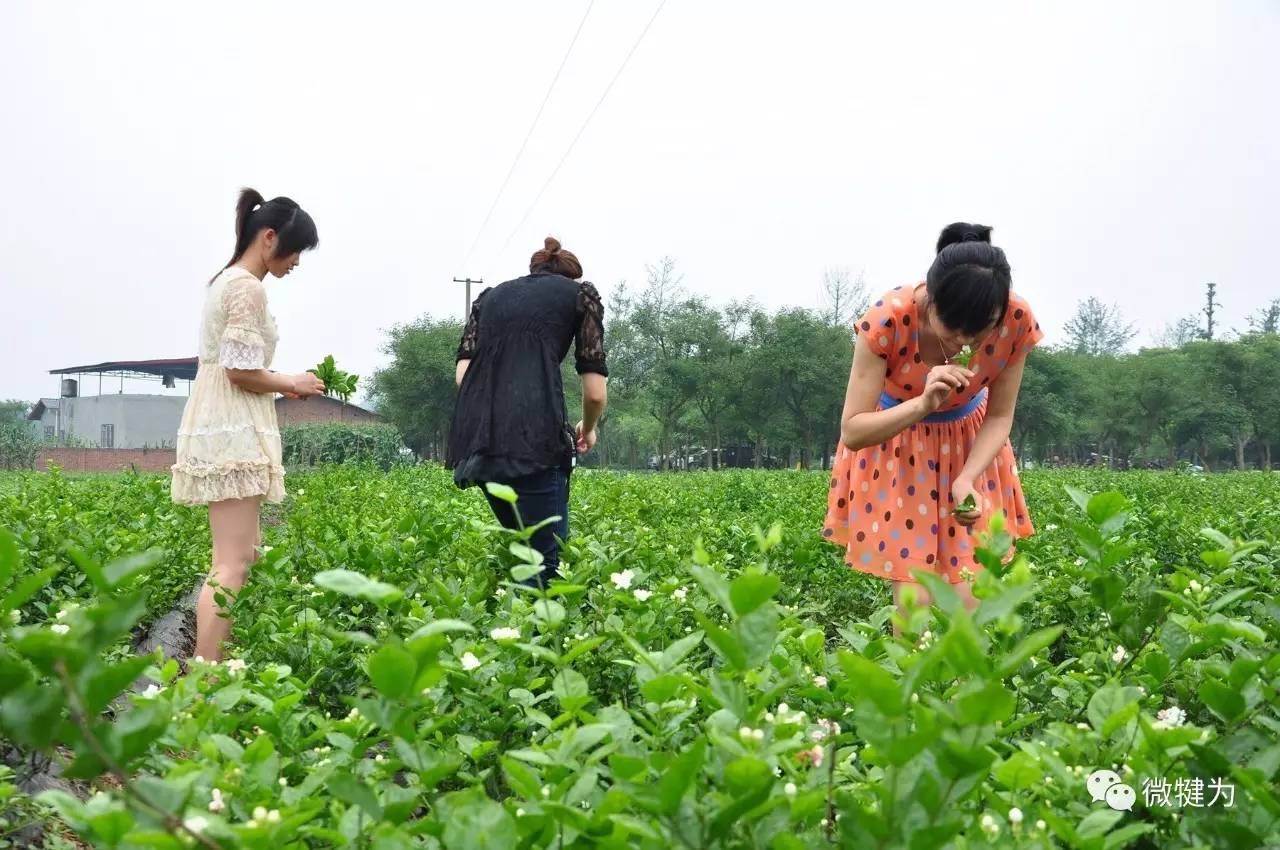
[501, 492]
[352, 791]
[714, 584]
[679, 650]
[530, 556]
[661, 688]
[122, 571]
[1123, 836]
[230, 749]
[581, 649]
[749, 591]
[1107, 702]
[349, 583]
[1019, 771]
[10, 559]
[570, 688]
[107, 682]
[1098, 823]
[992, 704]
[521, 779]
[865, 679]
[28, 587]
[962, 647]
[474, 822]
[725, 644]
[1028, 647]
[1222, 700]
[392, 670]
[746, 774]
[441, 627]
[757, 634]
[680, 776]
[1078, 496]
[549, 612]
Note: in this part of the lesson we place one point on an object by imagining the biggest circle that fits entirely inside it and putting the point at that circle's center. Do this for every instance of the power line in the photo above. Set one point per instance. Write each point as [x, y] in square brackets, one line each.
[493, 206]
[583, 128]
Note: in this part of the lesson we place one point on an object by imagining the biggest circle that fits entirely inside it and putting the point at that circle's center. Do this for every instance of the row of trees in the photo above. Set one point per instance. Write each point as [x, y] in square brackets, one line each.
[695, 384]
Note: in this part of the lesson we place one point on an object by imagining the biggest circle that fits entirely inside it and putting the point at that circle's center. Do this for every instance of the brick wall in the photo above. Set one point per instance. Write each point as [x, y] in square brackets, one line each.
[294, 411]
[106, 460]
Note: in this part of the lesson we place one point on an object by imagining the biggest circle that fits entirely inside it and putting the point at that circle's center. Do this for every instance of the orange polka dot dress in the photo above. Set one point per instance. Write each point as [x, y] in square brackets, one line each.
[890, 505]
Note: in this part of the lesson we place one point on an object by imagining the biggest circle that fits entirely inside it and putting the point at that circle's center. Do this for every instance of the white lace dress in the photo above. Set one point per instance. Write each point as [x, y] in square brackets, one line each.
[228, 442]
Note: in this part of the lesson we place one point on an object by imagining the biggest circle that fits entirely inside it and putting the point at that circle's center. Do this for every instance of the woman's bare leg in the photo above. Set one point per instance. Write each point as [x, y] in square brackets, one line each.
[234, 524]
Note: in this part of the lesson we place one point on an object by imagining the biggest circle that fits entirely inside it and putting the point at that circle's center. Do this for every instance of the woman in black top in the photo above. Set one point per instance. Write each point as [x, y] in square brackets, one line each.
[511, 424]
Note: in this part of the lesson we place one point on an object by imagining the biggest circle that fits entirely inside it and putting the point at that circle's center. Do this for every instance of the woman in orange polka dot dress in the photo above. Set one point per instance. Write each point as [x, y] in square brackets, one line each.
[920, 433]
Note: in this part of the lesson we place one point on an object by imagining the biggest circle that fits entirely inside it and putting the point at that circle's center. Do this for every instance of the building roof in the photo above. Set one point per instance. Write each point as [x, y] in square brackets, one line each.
[180, 368]
[39, 408]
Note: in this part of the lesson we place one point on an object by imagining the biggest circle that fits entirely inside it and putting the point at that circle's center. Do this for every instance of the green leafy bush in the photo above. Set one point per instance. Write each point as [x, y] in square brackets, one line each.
[316, 444]
[706, 675]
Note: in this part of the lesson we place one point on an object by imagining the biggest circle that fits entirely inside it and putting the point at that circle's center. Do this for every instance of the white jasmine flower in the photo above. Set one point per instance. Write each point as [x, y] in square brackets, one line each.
[196, 823]
[1170, 718]
[790, 789]
[622, 580]
[59, 629]
[1015, 816]
[273, 816]
[235, 665]
[546, 791]
[1120, 655]
[504, 634]
[679, 594]
[151, 692]
[380, 759]
[217, 804]
[1041, 825]
[260, 813]
[469, 661]
[284, 783]
[500, 592]
[61, 614]
[1083, 727]
[820, 681]
[641, 594]
[354, 714]
[519, 813]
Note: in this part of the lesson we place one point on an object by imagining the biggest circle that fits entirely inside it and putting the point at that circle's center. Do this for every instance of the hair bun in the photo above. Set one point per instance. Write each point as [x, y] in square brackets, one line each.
[552, 245]
[962, 231]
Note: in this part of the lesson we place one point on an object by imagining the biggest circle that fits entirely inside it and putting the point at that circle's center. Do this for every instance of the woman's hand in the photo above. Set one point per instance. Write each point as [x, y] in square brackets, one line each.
[587, 441]
[961, 489]
[942, 382]
[306, 385]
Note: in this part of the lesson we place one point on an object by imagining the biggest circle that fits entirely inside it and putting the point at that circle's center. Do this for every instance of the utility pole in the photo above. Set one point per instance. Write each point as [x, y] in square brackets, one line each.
[466, 312]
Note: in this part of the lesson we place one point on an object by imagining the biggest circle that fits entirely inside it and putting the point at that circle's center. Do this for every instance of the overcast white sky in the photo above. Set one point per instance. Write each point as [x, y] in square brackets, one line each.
[1125, 150]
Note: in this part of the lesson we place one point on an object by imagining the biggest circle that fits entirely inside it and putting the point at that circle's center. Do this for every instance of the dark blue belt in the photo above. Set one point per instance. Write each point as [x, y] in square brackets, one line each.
[887, 401]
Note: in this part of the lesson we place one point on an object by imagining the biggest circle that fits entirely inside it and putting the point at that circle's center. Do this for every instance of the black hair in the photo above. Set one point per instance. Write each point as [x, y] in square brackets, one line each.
[295, 229]
[969, 281]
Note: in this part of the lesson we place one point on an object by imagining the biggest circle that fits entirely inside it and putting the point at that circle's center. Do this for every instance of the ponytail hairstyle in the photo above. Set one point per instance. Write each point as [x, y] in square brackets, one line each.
[969, 281]
[553, 259]
[295, 229]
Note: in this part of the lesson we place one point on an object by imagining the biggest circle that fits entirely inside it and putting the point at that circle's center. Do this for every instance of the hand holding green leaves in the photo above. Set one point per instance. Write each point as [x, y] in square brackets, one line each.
[336, 382]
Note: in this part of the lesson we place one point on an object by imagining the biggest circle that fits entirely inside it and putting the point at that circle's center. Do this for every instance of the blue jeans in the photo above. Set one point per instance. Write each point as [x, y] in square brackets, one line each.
[539, 496]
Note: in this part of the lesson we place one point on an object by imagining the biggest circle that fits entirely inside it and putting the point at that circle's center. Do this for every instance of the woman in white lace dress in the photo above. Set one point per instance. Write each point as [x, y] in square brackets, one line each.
[228, 443]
